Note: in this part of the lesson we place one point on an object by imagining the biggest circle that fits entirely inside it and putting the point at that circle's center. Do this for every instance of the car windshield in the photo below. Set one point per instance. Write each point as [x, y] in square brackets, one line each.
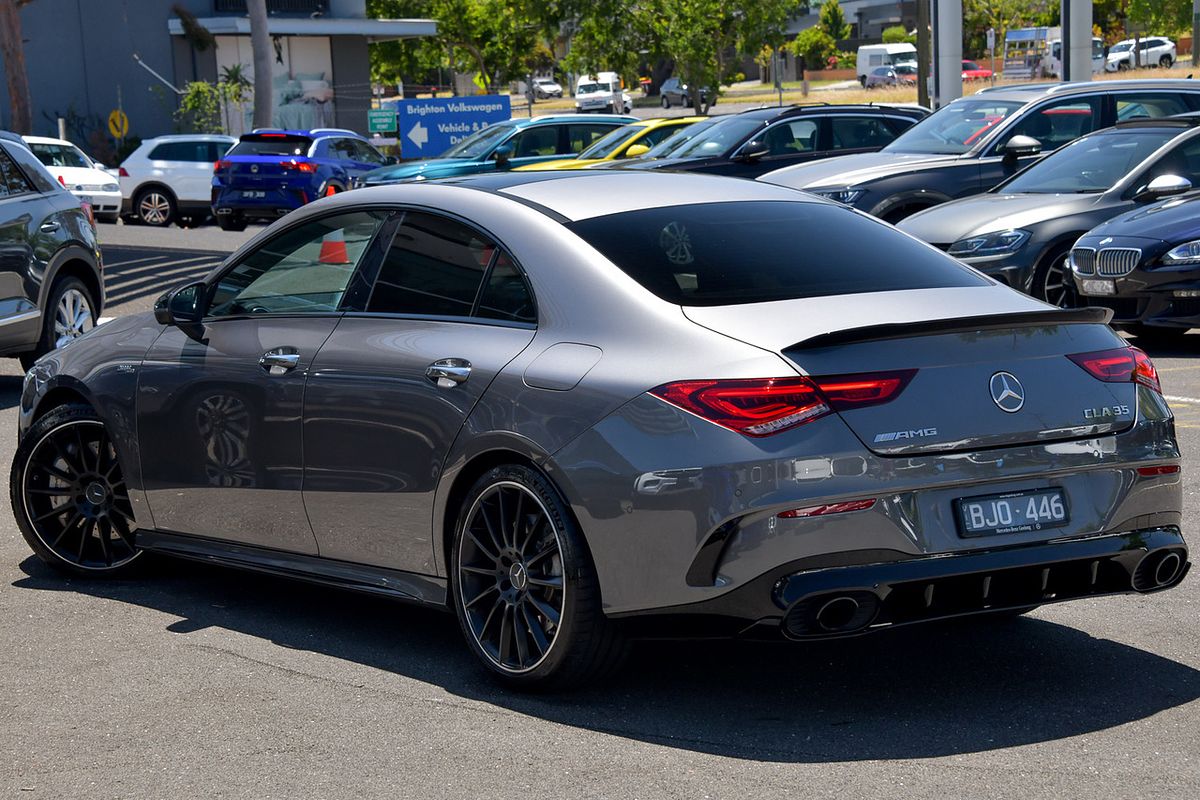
[717, 138]
[714, 254]
[1089, 165]
[608, 144]
[1121, 47]
[60, 155]
[479, 144]
[543, 82]
[271, 144]
[593, 88]
[955, 128]
[678, 139]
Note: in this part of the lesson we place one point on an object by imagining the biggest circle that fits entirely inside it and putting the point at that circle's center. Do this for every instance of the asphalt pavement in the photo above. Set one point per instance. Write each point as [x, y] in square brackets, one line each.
[199, 681]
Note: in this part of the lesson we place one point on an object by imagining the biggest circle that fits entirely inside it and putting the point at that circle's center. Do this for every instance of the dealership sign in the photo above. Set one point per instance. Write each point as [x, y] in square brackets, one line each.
[428, 127]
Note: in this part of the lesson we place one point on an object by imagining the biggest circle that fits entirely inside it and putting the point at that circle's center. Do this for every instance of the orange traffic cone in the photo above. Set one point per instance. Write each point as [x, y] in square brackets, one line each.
[333, 249]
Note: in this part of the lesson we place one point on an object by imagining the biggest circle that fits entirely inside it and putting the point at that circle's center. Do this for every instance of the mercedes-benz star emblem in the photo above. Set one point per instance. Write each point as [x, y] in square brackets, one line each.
[1007, 392]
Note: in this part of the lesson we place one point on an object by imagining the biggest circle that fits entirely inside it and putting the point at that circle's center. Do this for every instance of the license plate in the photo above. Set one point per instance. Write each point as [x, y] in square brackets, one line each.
[253, 194]
[1017, 512]
[1098, 287]
[85, 199]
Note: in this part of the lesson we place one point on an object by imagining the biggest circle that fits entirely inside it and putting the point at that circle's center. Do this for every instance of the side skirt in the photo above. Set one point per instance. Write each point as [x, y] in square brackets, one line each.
[427, 590]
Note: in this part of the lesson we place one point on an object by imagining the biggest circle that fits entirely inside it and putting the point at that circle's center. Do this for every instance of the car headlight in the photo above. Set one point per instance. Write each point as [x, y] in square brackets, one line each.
[846, 196]
[990, 244]
[110, 187]
[1186, 253]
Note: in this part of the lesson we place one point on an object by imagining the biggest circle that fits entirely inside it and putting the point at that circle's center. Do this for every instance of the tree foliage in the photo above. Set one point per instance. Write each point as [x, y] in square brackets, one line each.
[1161, 17]
[1003, 15]
[833, 21]
[816, 46]
[897, 35]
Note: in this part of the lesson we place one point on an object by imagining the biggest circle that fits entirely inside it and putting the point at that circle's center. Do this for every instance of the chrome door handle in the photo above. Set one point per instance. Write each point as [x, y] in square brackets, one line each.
[48, 227]
[448, 372]
[279, 361]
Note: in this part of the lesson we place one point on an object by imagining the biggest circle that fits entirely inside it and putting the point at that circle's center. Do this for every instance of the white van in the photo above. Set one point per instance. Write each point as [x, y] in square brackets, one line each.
[601, 92]
[1052, 63]
[872, 56]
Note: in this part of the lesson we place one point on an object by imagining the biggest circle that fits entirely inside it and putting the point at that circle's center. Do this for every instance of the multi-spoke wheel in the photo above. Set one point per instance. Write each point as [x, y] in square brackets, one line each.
[524, 586]
[154, 207]
[70, 313]
[1052, 281]
[69, 494]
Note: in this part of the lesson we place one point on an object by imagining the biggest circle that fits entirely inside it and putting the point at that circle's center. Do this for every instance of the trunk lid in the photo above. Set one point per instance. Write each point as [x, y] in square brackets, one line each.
[997, 378]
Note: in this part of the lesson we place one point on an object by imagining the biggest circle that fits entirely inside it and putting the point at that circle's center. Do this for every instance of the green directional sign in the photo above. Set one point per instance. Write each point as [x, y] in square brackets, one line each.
[381, 120]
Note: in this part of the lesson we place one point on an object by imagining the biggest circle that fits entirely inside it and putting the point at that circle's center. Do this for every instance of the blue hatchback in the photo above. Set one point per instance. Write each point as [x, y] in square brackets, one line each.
[270, 172]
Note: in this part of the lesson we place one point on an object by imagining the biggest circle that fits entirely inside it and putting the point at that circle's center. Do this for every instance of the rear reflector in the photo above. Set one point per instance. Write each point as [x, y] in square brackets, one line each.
[1120, 365]
[1163, 469]
[829, 508]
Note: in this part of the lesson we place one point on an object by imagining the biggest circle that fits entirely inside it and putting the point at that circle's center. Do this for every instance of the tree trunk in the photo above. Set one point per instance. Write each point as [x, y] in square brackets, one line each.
[260, 45]
[13, 50]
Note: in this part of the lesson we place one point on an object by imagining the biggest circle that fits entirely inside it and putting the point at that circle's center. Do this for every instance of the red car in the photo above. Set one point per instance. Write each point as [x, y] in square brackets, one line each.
[973, 72]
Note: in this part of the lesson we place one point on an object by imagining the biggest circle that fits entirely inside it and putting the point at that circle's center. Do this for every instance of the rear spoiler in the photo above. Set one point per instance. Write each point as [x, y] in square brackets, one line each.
[933, 327]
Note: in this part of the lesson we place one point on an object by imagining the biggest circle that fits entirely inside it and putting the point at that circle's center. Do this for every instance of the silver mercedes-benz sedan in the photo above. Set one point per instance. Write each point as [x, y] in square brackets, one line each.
[581, 408]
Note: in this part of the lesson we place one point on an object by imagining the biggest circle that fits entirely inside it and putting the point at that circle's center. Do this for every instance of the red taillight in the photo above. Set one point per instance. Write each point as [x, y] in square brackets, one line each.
[219, 165]
[829, 508]
[302, 166]
[273, 135]
[60, 180]
[763, 406]
[1154, 472]
[122, 173]
[89, 213]
[1120, 365]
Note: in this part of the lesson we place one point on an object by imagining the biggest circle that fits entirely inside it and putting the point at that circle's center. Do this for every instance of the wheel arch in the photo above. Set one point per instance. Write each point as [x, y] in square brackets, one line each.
[73, 261]
[908, 203]
[159, 185]
[1054, 246]
[64, 392]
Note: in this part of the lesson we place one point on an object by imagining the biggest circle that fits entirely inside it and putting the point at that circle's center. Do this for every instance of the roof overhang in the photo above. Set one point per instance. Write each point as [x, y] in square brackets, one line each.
[375, 30]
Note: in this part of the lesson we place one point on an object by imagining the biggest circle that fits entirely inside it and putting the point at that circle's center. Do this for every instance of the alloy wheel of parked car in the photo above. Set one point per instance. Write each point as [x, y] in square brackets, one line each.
[69, 488]
[1052, 281]
[155, 207]
[1165, 62]
[666, 101]
[72, 315]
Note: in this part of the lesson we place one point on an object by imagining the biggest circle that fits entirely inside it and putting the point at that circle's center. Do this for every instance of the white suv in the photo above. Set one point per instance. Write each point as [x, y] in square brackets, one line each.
[169, 178]
[1153, 51]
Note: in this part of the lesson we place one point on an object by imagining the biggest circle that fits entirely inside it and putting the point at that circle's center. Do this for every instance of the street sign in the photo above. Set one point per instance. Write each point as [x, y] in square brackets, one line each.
[381, 120]
[118, 124]
[428, 127]
[991, 38]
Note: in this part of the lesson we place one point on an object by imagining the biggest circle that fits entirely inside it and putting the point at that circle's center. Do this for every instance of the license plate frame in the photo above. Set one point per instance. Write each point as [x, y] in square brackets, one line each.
[962, 512]
[1097, 287]
[254, 194]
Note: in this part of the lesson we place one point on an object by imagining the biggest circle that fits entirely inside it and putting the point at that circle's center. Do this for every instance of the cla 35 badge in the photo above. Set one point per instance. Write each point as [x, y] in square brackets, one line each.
[1106, 411]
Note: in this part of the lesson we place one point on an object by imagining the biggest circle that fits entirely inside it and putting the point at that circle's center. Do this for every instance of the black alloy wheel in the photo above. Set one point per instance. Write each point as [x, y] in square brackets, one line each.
[70, 496]
[524, 587]
[1051, 281]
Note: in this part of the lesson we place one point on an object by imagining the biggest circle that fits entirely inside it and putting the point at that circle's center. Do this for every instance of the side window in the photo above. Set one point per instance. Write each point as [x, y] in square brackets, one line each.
[506, 296]
[540, 141]
[366, 154]
[302, 271]
[434, 266]
[791, 138]
[850, 133]
[1056, 124]
[11, 179]
[1183, 161]
[342, 149]
[181, 151]
[1150, 104]
[579, 137]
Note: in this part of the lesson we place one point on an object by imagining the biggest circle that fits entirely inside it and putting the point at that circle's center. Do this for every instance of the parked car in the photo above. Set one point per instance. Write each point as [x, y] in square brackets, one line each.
[51, 260]
[753, 142]
[973, 72]
[906, 72]
[545, 88]
[271, 172]
[966, 147]
[84, 178]
[1021, 232]
[882, 76]
[169, 178]
[1151, 51]
[602, 93]
[1144, 266]
[628, 141]
[871, 56]
[461, 373]
[676, 92]
[505, 145]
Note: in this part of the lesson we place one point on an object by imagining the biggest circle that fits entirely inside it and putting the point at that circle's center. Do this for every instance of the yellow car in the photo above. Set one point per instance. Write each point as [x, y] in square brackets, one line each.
[627, 141]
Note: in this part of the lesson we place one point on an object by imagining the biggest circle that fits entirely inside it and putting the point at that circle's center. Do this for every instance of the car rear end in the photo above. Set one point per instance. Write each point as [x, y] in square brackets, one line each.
[265, 175]
[931, 445]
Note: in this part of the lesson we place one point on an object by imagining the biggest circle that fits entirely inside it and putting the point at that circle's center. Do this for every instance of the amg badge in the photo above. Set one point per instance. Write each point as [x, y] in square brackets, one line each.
[894, 436]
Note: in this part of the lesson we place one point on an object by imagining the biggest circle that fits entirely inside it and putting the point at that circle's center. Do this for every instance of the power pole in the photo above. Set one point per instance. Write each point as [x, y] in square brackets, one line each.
[260, 47]
[1195, 33]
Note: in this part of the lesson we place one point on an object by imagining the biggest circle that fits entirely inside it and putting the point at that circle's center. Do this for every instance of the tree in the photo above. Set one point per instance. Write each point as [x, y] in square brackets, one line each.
[260, 46]
[896, 35]
[833, 20]
[1162, 17]
[979, 15]
[816, 46]
[12, 47]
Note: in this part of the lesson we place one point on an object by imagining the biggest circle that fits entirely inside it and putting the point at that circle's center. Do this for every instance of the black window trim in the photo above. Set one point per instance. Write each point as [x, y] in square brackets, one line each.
[33, 188]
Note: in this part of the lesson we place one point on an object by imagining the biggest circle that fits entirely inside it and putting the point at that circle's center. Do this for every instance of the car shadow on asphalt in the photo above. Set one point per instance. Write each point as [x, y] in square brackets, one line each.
[10, 390]
[943, 689]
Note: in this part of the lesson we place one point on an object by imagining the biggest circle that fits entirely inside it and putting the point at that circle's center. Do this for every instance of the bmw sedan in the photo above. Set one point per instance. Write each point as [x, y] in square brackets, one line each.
[1021, 231]
[473, 395]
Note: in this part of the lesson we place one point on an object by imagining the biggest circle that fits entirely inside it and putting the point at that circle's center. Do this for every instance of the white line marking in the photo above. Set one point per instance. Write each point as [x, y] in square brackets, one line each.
[103, 320]
[1177, 399]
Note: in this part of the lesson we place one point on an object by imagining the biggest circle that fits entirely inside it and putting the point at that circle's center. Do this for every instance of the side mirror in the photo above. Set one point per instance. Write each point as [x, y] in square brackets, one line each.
[183, 305]
[754, 150]
[502, 155]
[1021, 146]
[1160, 187]
[635, 150]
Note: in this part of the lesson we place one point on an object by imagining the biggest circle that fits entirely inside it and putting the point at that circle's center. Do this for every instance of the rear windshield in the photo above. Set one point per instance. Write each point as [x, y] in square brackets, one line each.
[268, 144]
[717, 254]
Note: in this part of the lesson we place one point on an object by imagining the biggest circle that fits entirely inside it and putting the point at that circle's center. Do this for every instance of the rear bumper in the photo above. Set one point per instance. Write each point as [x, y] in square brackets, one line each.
[800, 603]
[274, 203]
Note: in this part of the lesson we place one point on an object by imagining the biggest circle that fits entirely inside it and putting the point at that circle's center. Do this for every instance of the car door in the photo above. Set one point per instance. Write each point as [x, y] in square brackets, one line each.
[1053, 124]
[856, 133]
[788, 141]
[219, 403]
[17, 214]
[185, 167]
[534, 144]
[391, 388]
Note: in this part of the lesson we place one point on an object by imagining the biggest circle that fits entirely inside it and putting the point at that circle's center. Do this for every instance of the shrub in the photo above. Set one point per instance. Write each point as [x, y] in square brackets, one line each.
[816, 46]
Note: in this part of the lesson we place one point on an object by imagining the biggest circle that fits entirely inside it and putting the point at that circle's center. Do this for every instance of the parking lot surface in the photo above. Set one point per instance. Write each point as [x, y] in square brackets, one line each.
[197, 681]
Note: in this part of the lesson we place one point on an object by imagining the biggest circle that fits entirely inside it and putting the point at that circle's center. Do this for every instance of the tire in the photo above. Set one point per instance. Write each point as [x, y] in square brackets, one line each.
[231, 222]
[1050, 282]
[93, 532]
[666, 101]
[1122, 66]
[191, 220]
[155, 207]
[509, 513]
[862, 79]
[1165, 62]
[70, 312]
